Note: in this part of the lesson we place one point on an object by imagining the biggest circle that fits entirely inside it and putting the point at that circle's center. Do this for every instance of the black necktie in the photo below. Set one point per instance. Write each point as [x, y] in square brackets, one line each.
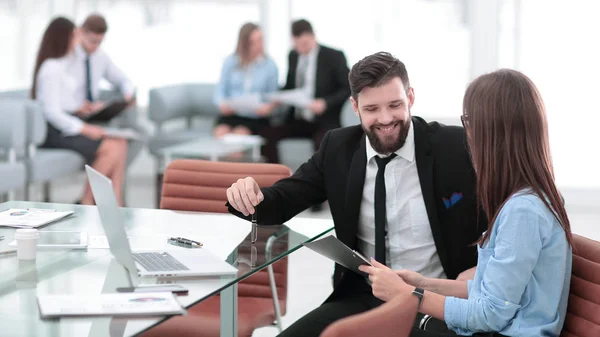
[88, 79]
[380, 213]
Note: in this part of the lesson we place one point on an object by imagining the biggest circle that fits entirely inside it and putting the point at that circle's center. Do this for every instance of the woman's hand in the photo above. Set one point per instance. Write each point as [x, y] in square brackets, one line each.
[265, 109]
[90, 108]
[225, 109]
[92, 131]
[412, 278]
[385, 282]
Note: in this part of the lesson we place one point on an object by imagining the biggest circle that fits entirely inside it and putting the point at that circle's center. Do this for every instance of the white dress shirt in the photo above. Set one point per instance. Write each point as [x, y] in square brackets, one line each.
[310, 78]
[101, 67]
[55, 88]
[409, 241]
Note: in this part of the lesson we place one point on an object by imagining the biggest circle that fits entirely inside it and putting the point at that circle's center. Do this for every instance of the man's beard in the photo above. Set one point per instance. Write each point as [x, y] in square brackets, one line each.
[388, 144]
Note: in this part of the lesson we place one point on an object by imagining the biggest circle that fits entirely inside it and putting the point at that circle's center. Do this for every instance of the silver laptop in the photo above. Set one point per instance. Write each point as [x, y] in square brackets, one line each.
[176, 262]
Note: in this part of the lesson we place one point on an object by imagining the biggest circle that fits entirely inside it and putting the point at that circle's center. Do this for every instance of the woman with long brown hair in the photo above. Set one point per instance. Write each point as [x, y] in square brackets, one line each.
[53, 86]
[249, 71]
[521, 283]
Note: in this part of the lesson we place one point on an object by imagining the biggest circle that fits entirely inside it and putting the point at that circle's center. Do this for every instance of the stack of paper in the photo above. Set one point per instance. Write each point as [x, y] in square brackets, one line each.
[122, 304]
[30, 217]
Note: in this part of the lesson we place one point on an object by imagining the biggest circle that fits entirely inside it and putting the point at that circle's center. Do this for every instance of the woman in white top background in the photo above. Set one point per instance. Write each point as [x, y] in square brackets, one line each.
[53, 87]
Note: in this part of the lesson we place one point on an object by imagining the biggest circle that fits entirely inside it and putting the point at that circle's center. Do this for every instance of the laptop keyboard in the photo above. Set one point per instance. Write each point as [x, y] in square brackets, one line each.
[155, 261]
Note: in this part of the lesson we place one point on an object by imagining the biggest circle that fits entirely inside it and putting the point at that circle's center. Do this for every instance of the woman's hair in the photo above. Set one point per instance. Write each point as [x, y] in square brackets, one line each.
[55, 43]
[505, 119]
[243, 45]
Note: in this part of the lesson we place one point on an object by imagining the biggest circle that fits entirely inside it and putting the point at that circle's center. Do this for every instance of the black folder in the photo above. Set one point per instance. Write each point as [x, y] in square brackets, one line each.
[337, 251]
[110, 111]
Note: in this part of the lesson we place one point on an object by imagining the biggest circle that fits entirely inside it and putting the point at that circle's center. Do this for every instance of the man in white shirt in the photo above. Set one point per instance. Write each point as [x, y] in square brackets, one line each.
[91, 66]
[94, 65]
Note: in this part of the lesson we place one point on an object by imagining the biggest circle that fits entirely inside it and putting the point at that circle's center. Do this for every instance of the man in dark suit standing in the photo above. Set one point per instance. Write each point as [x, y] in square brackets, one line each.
[323, 73]
[400, 190]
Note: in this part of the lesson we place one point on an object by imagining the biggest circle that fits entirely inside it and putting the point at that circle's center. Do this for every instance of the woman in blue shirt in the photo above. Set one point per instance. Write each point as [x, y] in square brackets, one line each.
[250, 74]
[521, 283]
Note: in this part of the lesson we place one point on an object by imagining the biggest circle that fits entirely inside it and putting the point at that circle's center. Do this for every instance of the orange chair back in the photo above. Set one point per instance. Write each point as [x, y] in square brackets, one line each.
[200, 186]
[583, 312]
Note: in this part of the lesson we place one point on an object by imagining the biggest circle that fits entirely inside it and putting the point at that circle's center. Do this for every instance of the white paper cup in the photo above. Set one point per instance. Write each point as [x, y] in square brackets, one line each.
[26, 243]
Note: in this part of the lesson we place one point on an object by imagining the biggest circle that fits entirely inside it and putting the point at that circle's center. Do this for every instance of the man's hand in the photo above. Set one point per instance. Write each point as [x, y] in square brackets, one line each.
[244, 195]
[318, 106]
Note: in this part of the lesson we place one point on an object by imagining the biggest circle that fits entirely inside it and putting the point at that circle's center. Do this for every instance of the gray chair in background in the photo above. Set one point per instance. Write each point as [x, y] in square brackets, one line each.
[294, 152]
[171, 106]
[13, 136]
[127, 119]
[45, 165]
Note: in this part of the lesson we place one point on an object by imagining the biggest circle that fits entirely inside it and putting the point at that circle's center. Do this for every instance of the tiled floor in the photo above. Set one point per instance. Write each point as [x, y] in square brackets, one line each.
[309, 273]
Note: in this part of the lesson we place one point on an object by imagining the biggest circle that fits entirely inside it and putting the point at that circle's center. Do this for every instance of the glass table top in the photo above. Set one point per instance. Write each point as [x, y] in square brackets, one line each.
[95, 271]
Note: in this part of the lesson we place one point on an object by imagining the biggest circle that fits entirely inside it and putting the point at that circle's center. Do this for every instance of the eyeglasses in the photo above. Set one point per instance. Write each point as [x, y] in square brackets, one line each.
[465, 120]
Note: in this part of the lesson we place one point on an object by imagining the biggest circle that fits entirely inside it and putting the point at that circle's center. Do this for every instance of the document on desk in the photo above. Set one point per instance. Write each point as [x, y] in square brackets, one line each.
[245, 104]
[30, 217]
[336, 250]
[296, 97]
[121, 304]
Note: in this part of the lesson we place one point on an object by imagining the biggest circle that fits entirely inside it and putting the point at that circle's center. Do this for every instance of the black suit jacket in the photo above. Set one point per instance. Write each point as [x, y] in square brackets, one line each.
[336, 173]
[331, 84]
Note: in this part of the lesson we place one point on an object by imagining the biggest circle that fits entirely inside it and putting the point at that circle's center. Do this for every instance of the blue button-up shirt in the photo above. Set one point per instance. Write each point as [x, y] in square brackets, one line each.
[259, 77]
[521, 285]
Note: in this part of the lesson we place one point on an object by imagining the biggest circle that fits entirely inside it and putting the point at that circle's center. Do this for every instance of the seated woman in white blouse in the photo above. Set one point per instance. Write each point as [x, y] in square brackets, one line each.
[53, 87]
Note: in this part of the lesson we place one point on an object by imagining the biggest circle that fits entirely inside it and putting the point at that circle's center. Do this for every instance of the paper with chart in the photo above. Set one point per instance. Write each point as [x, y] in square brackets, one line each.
[299, 98]
[30, 217]
[122, 304]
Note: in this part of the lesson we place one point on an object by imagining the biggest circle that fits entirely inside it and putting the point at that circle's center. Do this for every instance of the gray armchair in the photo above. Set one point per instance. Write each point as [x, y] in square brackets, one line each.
[13, 129]
[127, 119]
[45, 165]
[188, 103]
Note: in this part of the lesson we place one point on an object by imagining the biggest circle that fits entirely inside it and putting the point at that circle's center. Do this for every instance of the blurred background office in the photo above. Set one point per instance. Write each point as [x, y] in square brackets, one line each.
[444, 44]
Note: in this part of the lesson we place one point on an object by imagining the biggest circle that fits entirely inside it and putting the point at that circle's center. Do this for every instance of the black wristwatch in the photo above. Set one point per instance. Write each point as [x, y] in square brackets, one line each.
[419, 292]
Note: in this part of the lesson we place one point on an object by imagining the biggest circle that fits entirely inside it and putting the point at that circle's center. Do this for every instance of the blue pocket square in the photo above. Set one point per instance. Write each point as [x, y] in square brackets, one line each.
[454, 199]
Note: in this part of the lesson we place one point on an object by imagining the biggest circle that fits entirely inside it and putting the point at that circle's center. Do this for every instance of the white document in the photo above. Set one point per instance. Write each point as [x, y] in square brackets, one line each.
[30, 217]
[245, 104]
[122, 304]
[242, 139]
[299, 98]
[125, 133]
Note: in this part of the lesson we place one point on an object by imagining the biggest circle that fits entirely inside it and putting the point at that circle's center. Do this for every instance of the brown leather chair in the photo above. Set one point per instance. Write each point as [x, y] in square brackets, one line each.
[583, 312]
[393, 318]
[197, 185]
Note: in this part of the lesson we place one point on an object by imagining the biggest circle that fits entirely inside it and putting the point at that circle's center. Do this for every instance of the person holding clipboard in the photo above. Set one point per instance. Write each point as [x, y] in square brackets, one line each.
[92, 65]
[55, 88]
